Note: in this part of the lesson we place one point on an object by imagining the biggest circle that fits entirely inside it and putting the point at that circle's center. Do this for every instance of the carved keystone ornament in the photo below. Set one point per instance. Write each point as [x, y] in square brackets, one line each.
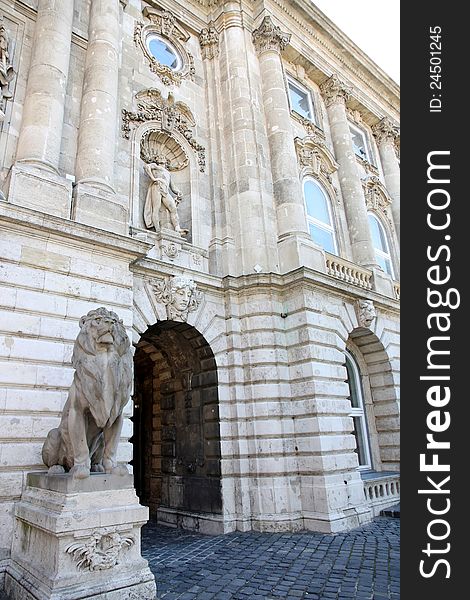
[366, 312]
[180, 296]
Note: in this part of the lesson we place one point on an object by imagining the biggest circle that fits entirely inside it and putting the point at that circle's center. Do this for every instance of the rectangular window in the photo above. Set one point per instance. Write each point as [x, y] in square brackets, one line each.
[300, 100]
[359, 143]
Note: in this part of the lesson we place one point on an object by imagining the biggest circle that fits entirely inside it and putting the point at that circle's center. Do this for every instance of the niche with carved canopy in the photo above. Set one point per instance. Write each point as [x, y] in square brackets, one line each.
[162, 129]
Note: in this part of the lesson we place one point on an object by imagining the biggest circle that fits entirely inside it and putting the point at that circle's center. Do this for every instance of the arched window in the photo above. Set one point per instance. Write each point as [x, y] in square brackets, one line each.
[163, 51]
[381, 247]
[319, 217]
[356, 396]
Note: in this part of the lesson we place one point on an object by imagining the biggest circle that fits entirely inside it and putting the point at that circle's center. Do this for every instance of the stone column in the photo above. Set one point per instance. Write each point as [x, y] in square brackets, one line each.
[95, 200]
[43, 112]
[249, 203]
[386, 134]
[336, 94]
[40, 135]
[269, 42]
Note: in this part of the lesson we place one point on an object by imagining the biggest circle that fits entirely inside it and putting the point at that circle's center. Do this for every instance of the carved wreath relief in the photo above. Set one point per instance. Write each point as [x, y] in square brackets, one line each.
[180, 296]
[100, 551]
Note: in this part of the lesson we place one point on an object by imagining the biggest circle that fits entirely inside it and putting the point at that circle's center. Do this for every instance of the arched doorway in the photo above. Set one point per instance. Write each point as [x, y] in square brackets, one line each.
[380, 387]
[176, 437]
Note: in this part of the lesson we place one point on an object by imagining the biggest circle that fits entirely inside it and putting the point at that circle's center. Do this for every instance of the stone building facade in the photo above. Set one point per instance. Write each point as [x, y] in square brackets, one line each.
[266, 358]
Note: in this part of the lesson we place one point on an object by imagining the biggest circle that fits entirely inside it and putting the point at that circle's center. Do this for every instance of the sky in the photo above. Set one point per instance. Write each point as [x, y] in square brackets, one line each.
[373, 25]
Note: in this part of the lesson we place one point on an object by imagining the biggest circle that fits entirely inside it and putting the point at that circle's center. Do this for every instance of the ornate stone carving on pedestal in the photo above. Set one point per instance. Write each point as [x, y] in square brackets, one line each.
[90, 428]
[209, 41]
[6, 69]
[80, 539]
[180, 296]
[365, 312]
[77, 534]
[269, 37]
[99, 551]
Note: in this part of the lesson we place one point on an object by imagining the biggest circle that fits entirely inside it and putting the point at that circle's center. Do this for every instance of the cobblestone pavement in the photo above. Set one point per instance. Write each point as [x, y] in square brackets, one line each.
[357, 565]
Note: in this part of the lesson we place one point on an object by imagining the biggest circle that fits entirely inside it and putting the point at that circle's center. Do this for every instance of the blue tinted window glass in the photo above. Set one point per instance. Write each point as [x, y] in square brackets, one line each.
[378, 236]
[163, 53]
[358, 144]
[300, 102]
[316, 202]
[323, 238]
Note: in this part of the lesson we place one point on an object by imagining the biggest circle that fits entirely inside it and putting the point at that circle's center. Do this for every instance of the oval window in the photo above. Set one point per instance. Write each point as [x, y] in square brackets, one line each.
[164, 52]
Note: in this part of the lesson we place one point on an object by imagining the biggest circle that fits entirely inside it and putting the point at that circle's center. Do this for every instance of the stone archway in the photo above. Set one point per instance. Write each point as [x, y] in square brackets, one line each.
[176, 436]
[381, 390]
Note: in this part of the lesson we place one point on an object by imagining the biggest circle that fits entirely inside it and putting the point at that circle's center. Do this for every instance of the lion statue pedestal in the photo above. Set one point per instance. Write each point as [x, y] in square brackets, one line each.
[77, 528]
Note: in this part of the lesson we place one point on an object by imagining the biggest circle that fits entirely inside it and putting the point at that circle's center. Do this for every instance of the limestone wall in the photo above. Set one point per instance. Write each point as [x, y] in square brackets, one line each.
[72, 238]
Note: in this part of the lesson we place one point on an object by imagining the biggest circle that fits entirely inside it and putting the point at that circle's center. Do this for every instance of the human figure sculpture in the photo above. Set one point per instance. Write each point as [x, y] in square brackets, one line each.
[160, 192]
[89, 431]
[6, 70]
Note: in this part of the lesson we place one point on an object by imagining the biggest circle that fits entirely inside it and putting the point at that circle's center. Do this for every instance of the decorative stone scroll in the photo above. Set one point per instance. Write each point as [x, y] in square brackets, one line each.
[313, 153]
[334, 90]
[365, 312]
[169, 117]
[269, 37]
[377, 197]
[209, 41]
[6, 70]
[165, 24]
[180, 296]
[100, 551]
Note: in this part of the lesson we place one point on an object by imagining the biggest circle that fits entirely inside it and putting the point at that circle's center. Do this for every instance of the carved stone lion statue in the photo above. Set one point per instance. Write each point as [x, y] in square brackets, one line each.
[88, 435]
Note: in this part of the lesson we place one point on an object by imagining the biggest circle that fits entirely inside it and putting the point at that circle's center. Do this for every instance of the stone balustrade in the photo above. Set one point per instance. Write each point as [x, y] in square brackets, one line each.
[348, 272]
[381, 491]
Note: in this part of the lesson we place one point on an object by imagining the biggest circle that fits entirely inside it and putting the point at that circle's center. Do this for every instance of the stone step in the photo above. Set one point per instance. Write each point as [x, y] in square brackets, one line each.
[392, 511]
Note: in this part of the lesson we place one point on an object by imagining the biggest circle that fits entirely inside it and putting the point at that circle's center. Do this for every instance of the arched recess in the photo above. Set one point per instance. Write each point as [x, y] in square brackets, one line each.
[174, 121]
[185, 179]
[381, 396]
[176, 460]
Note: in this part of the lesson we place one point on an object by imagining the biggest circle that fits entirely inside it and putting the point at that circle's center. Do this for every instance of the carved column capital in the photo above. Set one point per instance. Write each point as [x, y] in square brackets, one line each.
[209, 42]
[334, 90]
[269, 37]
[386, 132]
